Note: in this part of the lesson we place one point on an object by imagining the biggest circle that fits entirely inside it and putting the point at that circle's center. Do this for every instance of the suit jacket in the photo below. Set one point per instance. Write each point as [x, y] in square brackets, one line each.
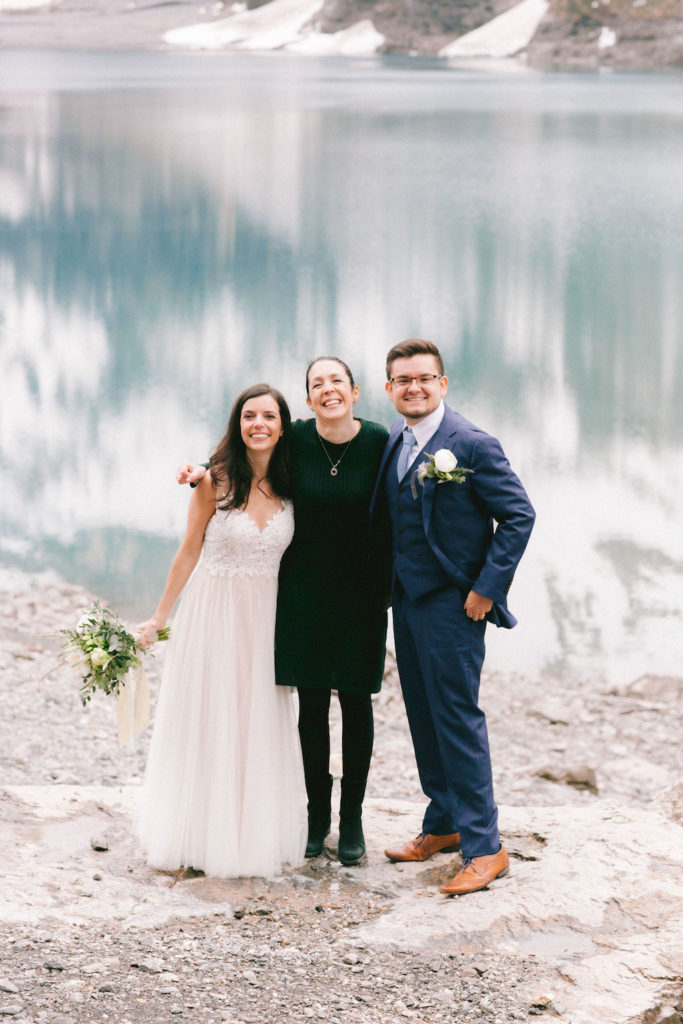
[459, 518]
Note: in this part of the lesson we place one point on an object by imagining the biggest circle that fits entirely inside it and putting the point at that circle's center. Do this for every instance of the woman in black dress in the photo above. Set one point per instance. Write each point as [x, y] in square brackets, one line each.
[331, 618]
[333, 593]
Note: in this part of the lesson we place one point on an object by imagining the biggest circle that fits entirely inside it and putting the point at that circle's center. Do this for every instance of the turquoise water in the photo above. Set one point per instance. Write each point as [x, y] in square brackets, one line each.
[174, 227]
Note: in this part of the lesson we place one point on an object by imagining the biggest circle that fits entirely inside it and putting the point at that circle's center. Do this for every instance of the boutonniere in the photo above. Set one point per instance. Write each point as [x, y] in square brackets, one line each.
[442, 467]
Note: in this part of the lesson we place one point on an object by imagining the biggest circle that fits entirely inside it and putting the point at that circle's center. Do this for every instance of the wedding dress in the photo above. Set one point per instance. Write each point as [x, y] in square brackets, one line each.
[224, 788]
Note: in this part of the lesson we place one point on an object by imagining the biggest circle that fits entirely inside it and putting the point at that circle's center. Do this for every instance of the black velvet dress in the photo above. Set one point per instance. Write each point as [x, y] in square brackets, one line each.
[331, 619]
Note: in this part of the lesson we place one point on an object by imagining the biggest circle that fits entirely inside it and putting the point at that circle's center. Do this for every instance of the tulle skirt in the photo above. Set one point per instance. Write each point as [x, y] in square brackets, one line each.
[224, 787]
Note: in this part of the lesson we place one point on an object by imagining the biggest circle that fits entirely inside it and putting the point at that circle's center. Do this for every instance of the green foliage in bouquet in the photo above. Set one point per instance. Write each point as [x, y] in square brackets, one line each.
[102, 649]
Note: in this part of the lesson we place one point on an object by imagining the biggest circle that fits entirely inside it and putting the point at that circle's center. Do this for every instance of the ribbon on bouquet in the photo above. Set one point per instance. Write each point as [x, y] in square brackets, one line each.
[133, 712]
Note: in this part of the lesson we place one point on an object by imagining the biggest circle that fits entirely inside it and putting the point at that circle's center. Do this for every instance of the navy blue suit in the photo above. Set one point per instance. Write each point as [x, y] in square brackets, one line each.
[444, 544]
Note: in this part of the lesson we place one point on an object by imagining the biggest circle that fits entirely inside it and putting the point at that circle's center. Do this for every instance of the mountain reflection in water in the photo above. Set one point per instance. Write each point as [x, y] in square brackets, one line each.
[172, 229]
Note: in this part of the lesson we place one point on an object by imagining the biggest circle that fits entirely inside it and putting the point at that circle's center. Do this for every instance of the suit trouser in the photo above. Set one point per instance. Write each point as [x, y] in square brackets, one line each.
[440, 652]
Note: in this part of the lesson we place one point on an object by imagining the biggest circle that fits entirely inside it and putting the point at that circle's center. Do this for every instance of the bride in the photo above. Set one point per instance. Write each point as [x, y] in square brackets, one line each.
[224, 789]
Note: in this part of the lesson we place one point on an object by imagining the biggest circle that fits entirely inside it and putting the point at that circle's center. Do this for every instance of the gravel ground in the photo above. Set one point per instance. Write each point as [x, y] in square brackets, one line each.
[281, 957]
[287, 950]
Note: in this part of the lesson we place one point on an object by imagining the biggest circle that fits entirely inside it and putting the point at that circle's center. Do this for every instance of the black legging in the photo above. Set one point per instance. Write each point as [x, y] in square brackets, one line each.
[314, 732]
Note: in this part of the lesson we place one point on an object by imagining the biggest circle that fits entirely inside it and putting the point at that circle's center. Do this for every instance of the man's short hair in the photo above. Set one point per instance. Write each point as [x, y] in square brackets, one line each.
[413, 347]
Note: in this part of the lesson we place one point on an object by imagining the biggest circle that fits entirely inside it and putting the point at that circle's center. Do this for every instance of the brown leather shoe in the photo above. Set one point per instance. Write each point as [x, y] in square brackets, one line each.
[476, 873]
[424, 845]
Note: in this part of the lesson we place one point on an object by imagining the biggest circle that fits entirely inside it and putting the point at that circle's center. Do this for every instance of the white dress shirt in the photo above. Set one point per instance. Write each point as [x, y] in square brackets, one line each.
[424, 429]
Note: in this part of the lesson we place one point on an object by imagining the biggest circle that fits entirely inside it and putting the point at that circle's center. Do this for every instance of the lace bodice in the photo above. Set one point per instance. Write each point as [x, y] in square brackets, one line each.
[234, 545]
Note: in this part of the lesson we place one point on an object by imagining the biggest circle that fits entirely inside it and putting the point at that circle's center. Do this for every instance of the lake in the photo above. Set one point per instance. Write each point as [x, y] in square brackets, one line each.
[174, 227]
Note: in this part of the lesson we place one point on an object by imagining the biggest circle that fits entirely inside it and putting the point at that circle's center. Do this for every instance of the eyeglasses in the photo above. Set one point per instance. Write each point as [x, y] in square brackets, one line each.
[425, 379]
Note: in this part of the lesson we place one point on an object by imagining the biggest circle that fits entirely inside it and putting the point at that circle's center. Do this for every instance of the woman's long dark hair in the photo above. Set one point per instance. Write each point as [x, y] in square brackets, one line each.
[229, 465]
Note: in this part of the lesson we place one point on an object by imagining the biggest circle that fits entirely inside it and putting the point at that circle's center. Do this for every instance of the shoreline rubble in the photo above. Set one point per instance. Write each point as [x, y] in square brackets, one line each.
[586, 929]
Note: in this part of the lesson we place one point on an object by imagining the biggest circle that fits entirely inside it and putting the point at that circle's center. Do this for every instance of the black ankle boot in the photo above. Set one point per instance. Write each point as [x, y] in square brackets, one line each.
[317, 831]
[351, 847]
[319, 817]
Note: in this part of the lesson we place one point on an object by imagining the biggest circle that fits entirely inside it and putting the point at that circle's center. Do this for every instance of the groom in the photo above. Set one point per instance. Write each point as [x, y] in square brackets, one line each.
[451, 574]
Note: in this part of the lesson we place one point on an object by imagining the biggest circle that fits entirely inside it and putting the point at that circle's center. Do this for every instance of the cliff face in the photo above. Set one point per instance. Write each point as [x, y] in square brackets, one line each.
[573, 34]
[628, 34]
[413, 26]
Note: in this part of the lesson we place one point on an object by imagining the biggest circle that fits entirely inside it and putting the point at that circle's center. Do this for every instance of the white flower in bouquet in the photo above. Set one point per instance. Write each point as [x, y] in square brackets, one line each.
[99, 658]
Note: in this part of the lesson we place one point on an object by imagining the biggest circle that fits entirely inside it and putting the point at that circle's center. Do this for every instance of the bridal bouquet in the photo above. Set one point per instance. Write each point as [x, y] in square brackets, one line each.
[108, 658]
[102, 650]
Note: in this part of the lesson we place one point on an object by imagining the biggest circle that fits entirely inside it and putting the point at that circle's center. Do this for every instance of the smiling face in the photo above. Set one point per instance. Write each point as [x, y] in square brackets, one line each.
[261, 423]
[420, 396]
[331, 395]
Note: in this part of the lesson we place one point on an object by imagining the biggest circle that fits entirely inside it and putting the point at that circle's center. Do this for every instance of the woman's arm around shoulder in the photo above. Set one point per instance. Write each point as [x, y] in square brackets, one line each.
[188, 473]
[202, 507]
[376, 439]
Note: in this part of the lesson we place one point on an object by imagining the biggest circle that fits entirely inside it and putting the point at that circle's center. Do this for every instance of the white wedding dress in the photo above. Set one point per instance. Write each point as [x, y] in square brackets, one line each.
[224, 787]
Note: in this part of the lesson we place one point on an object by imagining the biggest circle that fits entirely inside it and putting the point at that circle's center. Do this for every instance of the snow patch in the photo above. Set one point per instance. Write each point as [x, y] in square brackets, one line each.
[17, 6]
[502, 36]
[359, 40]
[269, 27]
[606, 38]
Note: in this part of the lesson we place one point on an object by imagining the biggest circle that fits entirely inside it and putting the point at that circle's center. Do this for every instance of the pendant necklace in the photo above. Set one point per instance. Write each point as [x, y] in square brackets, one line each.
[333, 465]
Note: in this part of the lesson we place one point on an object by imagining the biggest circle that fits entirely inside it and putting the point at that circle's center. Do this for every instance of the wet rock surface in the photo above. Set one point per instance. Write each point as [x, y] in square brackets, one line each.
[587, 927]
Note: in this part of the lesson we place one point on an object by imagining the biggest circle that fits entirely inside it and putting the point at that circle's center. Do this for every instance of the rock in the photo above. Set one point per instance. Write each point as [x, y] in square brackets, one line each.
[94, 968]
[55, 965]
[661, 688]
[107, 986]
[470, 971]
[582, 777]
[666, 1012]
[7, 986]
[542, 1001]
[100, 843]
[11, 1010]
[304, 882]
[149, 966]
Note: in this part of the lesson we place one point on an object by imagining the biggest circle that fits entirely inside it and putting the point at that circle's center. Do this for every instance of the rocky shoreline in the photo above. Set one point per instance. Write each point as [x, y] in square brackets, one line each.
[563, 35]
[588, 927]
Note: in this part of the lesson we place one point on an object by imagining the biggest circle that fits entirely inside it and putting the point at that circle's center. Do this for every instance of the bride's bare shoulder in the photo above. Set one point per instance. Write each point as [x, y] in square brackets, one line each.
[208, 490]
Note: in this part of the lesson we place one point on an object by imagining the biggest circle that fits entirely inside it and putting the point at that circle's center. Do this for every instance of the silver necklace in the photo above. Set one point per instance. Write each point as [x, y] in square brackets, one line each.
[333, 465]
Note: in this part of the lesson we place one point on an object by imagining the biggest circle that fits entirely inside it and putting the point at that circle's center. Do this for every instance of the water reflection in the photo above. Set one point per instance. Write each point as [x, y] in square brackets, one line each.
[160, 247]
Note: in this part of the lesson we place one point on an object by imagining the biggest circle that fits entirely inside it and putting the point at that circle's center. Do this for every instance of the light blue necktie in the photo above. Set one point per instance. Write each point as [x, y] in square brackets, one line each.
[404, 459]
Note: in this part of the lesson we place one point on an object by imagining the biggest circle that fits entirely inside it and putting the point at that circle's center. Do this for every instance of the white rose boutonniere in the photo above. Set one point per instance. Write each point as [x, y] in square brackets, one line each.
[445, 461]
[442, 467]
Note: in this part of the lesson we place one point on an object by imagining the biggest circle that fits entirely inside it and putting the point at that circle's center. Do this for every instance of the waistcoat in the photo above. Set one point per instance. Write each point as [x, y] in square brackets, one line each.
[415, 564]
